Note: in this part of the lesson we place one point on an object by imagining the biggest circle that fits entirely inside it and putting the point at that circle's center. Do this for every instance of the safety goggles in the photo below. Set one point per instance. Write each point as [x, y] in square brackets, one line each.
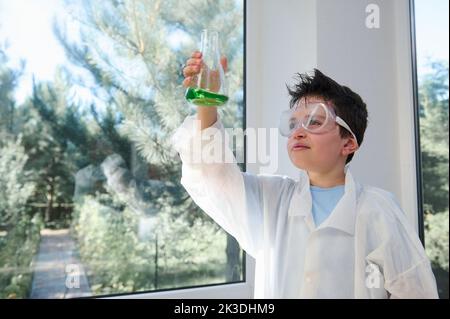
[314, 117]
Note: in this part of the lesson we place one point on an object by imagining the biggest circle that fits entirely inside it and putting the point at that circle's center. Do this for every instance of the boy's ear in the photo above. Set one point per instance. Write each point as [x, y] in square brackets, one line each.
[350, 147]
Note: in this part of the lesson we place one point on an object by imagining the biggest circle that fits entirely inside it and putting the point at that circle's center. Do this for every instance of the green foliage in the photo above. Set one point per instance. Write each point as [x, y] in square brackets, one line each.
[48, 148]
[122, 255]
[8, 82]
[433, 98]
[133, 74]
[17, 250]
[15, 185]
[140, 73]
[19, 235]
[436, 241]
[61, 139]
[139, 77]
[433, 95]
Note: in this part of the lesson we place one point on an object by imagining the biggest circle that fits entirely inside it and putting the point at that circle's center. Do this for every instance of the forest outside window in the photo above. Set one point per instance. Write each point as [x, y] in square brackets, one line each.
[90, 197]
[431, 39]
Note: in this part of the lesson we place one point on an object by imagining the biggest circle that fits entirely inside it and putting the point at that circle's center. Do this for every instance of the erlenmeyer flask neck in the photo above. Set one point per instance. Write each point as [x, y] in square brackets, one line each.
[210, 47]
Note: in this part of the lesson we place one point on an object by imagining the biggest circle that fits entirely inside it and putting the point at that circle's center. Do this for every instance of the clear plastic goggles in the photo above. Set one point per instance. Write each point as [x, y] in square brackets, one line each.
[314, 117]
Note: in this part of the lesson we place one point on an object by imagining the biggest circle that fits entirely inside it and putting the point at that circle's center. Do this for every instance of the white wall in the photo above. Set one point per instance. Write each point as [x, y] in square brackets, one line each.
[281, 41]
[289, 36]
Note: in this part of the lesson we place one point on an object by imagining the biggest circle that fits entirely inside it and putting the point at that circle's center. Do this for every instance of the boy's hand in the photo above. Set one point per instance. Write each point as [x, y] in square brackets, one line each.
[192, 70]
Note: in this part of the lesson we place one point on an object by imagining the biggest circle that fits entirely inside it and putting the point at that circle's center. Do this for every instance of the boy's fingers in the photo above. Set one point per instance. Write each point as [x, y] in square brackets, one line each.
[193, 61]
[191, 70]
[193, 66]
[224, 62]
[187, 82]
[190, 81]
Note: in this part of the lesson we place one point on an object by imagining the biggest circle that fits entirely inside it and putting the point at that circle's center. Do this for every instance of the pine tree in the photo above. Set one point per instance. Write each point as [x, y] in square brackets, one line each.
[16, 185]
[8, 82]
[433, 98]
[125, 48]
[44, 139]
[58, 143]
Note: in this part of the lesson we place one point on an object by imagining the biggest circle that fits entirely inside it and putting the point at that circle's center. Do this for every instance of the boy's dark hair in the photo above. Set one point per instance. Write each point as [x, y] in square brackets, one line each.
[348, 105]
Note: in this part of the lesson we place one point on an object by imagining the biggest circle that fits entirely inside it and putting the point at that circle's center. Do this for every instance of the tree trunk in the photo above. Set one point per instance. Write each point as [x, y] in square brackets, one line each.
[155, 282]
[49, 209]
[233, 268]
[11, 119]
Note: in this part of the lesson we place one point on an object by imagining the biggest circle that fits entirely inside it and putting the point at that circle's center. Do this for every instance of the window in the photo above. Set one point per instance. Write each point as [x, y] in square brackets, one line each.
[431, 36]
[90, 199]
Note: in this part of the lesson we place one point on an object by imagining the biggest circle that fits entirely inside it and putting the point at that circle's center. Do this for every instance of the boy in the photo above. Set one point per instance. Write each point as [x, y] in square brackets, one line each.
[325, 235]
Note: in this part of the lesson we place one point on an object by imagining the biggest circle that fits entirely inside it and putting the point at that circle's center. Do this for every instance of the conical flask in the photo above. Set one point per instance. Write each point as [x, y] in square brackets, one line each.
[211, 87]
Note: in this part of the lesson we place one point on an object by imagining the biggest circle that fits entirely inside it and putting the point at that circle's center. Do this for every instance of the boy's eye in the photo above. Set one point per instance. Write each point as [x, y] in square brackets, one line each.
[292, 123]
[313, 121]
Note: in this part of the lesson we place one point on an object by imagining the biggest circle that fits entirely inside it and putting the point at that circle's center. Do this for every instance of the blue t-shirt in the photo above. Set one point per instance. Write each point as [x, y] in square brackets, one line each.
[324, 200]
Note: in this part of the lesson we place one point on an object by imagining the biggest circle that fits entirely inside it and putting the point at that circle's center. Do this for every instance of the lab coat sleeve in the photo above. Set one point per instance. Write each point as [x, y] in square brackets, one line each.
[406, 268]
[230, 197]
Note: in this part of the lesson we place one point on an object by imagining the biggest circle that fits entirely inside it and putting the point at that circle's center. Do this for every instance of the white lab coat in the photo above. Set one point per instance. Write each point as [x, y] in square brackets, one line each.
[366, 248]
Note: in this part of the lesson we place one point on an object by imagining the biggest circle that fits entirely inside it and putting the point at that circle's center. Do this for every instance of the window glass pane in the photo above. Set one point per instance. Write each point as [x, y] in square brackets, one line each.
[431, 19]
[90, 195]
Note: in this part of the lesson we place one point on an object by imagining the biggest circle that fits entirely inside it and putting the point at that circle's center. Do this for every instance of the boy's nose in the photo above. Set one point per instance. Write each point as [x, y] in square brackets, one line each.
[299, 132]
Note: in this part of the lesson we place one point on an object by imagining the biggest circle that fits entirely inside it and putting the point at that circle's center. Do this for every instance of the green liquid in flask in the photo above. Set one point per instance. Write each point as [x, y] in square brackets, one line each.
[205, 98]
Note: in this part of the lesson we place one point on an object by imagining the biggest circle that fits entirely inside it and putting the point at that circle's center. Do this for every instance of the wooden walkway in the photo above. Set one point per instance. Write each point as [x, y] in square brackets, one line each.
[57, 270]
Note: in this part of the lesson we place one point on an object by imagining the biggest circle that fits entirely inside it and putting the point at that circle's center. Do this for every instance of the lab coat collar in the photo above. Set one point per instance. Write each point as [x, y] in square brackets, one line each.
[342, 217]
